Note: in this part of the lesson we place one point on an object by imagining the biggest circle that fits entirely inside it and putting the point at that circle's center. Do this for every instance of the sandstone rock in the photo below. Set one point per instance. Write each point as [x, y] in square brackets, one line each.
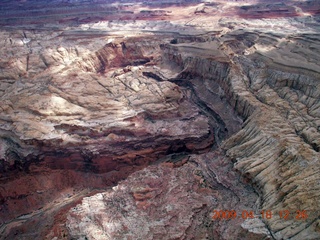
[161, 202]
[93, 92]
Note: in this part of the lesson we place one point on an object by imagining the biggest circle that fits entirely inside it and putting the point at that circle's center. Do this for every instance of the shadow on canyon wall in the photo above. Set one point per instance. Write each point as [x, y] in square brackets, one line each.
[264, 79]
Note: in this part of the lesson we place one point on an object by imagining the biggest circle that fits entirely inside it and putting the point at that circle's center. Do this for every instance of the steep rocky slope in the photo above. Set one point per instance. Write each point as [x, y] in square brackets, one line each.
[159, 115]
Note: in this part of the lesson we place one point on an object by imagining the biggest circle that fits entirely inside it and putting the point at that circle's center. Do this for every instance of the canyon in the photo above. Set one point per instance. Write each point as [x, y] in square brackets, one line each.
[142, 119]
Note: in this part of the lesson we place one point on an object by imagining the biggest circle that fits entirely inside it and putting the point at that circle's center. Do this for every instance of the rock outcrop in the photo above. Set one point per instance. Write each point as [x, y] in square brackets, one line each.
[159, 115]
[166, 201]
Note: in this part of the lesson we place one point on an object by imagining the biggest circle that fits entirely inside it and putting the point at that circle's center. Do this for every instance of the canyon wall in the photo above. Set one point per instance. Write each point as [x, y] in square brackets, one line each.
[139, 123]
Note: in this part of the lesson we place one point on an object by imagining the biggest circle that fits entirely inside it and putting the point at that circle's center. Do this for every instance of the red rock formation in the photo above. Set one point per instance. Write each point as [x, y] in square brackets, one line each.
[168, 202]
[194, 106]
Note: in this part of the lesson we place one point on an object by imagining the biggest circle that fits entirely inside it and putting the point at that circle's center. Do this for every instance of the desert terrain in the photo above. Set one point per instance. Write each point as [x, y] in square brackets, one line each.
[190, 119]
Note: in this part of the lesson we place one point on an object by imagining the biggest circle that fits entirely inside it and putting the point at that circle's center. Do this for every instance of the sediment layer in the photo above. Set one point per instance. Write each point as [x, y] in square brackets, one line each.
[186, 108]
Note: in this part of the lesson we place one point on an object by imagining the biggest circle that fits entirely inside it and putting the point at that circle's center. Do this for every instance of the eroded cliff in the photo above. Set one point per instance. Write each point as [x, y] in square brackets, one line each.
[158, 118]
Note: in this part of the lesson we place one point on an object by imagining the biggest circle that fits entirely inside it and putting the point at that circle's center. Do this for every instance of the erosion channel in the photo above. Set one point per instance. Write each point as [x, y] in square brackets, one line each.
[141, 126]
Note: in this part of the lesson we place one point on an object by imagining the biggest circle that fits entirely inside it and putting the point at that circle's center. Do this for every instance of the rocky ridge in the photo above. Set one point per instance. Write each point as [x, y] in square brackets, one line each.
[84, 106]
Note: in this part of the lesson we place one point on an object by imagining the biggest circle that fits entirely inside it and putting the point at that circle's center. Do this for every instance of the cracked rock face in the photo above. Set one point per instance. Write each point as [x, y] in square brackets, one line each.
[166, 202]
[140, 120]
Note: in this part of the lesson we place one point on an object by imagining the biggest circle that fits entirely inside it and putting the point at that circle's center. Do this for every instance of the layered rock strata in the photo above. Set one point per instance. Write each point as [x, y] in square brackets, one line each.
[169, 201]
[226, 110]
[73, 115]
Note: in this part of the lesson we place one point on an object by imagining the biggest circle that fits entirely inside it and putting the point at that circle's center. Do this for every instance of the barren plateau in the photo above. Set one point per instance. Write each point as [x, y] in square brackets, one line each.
[141, 119]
